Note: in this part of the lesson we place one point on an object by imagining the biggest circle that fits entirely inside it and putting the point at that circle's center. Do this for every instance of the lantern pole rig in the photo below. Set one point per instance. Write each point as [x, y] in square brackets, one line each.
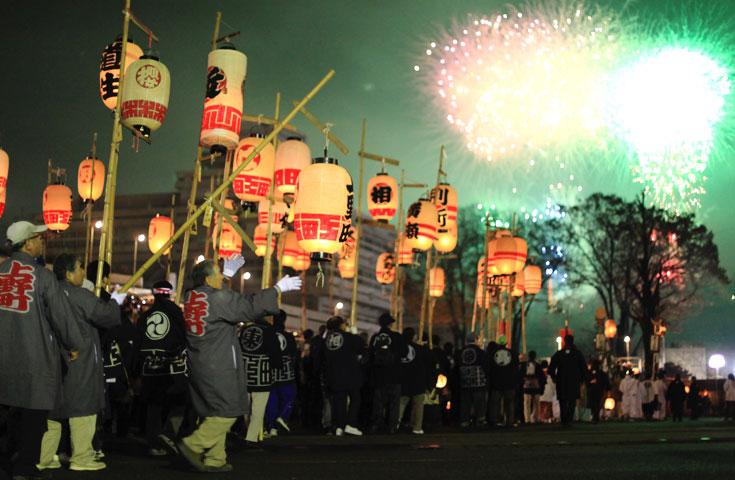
[222, 198]
[324, 129]
[88, 242]
[266, 276]
[208, 201]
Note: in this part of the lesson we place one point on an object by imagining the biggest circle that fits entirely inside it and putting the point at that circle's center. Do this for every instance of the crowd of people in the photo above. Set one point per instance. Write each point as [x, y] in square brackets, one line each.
[75, 367]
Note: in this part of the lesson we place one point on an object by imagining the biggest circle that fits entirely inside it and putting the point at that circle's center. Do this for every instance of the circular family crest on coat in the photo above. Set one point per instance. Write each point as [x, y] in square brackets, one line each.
[334, 341]
[469, 356]
[251, 338]
[502, 357]
[157, 326]
[281, 341]
[410, 356]
[382, 340]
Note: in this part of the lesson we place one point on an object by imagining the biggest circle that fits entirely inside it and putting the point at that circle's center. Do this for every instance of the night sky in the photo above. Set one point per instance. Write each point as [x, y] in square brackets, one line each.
[51, 105]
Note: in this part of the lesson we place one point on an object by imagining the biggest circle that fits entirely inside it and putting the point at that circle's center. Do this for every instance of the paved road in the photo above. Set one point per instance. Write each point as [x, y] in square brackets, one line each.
[691, 450]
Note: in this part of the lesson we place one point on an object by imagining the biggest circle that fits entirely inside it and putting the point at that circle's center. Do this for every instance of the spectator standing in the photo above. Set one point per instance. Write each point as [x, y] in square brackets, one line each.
[386, 350]
[729, 390]
[472, 362]
[598, 384]
[569, 370]
[533, 386]
[417, 377]
[676, 395]
[503, 378]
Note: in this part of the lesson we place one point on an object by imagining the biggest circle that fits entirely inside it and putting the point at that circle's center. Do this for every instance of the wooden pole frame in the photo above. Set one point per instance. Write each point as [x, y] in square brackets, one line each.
[265, 278]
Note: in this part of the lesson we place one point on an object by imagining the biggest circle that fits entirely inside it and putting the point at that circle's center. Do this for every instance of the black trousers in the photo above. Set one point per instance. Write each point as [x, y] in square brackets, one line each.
[343, 415]
[595, 403]
[677, 411]
[472, 399]
[567, 407]
[386, 400]
[29, 433]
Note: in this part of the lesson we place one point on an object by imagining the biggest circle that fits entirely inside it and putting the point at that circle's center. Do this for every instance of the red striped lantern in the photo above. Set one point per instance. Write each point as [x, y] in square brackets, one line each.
[444, 196]
[533, 280]
[110, 69]
[254, 182]
[292, 156]
[446, 239]
[4, 165]
[323, 207]
[382, 197]
[421, 225]
[230, 242]
[57, 207]
[90, 179]
[260, 239]
[288, 249]
[226, 69]
[146, 88]
[507, 255]
[385, 268]
[436, 282]
[160, 230]
[278, 212]
[405, 252]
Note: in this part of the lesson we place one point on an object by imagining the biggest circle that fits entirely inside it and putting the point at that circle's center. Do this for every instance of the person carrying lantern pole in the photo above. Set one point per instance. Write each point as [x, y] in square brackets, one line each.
[83, 384]
[35, 319]
[217, 384]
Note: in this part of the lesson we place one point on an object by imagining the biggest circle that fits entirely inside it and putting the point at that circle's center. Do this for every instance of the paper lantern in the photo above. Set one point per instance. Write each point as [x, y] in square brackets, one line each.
[348, 247]
[160, 230]
[110, 69]
[278, 212]
[382, 197]
[611, 329]
[444, 197]
[288, 249]
[532, 278]
[609, 404]
[385, 268]
[441, 381]
[90, 179]
[254, 182]
[226, 69]
[507, 255]
[57, 207]
[405, 252]
[260, 239]
[146, 88]
[230, 242]
[421, 225]
[292, 156]
[302, 261]
[346, 268]
[436, 282]
[446, 239]
[4, 165]
[519, 285]
[323, 207]
[479, 295]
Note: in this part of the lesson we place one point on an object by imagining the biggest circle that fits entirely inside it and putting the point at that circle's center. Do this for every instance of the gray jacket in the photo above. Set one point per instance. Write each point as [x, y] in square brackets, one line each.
[217, 383]
[35, 316]
[83, 384]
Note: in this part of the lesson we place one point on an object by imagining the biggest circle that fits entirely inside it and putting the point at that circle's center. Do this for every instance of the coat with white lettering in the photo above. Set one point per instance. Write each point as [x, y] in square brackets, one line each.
[217, 383]
[35, 316]
[286, 373]
[83, 384]
[261, 353]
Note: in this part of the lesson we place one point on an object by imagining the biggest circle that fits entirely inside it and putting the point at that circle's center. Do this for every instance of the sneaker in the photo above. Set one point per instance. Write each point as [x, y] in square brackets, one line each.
[170, 444]
[91, 466]
[157, 452]
[339, 432]
[350, 430]
[221, 469]
[52, 465]
[99, 455]
[274, 432]
[418, 432]
[282, 423]
[194, 459]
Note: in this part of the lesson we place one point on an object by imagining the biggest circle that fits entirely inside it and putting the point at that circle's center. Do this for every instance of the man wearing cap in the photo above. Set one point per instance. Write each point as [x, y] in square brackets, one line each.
[217, 384]
[35, 317]
[386, 350]
[161, 366]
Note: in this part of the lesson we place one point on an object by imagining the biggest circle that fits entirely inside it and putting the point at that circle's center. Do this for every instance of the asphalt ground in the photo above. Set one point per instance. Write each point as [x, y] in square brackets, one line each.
[665, 450]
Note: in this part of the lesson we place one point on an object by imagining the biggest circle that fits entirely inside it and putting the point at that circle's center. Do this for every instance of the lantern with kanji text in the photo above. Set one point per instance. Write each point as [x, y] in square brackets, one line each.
[223, 102]
[421, 225]
[382, 197]
[254, 182]
[90, 179]
[160, 230]
[436, 282]
[57, 207]
[532, 279]
[444, 196]
[446, 239]
[146, 89]
[4, 165]
[110, 69]
[323, 208]
[385, 268]
[292, 156]
[278, 213]
[260, 239]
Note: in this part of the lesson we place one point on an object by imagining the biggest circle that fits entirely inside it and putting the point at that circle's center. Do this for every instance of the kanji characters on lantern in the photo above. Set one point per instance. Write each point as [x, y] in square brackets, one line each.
[436, 282]
[254, 182]
[532, 279]
[323, 207]
[444, 196]
[278, 213]
[260, 239]
[110, 69]
[382, 197]
[421, 225]
[385, 268]
[146, 88]
[57, 207]
[4, 165]
[292, 156]
[226, 69]
[90, 179]
[160, 230]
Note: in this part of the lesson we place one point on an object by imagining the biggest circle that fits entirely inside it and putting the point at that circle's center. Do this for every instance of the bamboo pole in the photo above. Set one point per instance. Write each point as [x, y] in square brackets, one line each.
[226, 183]
[523, 322]
[190, 207]
[304, 318]
[265, 278]
[221, 216]
[210, 227]
[323, 128]
[399, 227]
[432, 304]
[88, 243]
[225, 215]
[171, 252]
[358, 230]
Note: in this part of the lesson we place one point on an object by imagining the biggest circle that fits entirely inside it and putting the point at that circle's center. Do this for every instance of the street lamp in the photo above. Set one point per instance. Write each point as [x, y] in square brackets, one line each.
[558, 343]
[627, 346]
[243, 277]
[339, 306]
[139, 239]
[716, 361]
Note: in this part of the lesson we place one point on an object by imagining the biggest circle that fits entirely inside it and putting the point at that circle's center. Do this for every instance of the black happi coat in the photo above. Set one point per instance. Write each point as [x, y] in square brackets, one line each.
[261, 352]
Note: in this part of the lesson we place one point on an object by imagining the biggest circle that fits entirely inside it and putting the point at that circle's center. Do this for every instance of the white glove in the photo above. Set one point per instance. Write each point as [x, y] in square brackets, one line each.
[232, 265]
[119, 297]
[289, 284]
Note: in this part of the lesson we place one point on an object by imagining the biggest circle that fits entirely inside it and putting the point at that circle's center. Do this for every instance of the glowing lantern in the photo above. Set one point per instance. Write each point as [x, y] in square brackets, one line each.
[508, 255]
[346, 268]
[260, 239]
[441, 381]
[519, 286]
[57, 207]
[110, 69]
[278, 211]
[421, 225]
[160, 230]
[226, 68]
[436, 282]
[532, 279]
[90, 179]
[348, 247]
[254, 182]
[302, 261]
[323, 207]
[382, 192]
[146, 88]
[611, 329]
[385, 268]
[230, 243]
[4, 165]
[444, 198]
[288, 249]
[479, 294]
[405, 252]
[292, 156]
[446, 239]
[609, 404]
